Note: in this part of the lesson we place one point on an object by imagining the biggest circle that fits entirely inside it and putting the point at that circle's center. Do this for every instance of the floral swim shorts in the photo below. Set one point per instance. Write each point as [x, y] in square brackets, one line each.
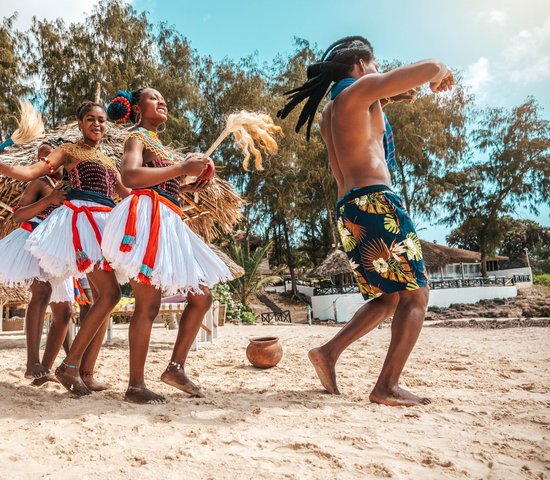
[379, 238]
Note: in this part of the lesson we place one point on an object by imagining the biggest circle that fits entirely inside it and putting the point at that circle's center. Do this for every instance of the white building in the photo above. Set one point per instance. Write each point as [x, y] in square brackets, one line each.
[455, 277]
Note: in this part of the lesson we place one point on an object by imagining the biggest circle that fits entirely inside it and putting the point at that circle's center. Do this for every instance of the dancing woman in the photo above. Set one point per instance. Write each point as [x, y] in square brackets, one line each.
[147, 241]
[69, 242]
[19, 268]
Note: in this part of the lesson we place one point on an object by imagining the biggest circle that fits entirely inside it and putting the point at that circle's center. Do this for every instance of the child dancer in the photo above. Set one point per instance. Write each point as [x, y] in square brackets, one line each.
[19, 268]
[69, 242]
[147, 241]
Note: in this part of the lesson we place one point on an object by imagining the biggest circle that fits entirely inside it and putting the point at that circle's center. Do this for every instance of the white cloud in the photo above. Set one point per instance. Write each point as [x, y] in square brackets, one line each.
[68, 10]
[528, 56]
[478, 76]
[496, 17]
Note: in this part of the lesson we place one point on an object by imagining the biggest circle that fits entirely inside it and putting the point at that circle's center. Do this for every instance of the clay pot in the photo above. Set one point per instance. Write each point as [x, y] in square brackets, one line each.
[264, 352]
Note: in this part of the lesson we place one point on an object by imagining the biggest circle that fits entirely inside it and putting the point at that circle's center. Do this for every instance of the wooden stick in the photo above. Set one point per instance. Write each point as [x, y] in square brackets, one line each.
[217, 142]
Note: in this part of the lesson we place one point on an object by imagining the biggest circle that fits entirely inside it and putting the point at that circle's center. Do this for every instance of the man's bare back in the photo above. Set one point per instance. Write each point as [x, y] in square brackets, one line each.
[354, 135]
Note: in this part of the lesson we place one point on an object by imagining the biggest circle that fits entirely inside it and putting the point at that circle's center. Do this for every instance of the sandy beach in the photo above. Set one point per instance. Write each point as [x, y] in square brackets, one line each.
[489, 418]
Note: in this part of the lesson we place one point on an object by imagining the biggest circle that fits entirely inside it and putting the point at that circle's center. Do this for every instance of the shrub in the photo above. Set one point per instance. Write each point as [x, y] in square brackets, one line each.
[543, 279]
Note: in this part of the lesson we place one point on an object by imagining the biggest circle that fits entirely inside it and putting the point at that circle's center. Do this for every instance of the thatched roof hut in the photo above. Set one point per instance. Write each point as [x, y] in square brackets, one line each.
[435, 256]
[13, 296]
[335, 264]
[217, 210]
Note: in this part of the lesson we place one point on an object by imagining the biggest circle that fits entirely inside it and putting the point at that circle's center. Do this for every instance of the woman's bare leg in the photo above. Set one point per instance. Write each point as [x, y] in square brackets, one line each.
[145, 311]
[34, 324]
[89, 359]
[59, 334]
[108, 295]
[61, 314]
[190, 323]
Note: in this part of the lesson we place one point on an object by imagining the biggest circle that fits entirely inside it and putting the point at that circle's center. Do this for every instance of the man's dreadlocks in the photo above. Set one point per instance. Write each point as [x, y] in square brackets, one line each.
[336, 63]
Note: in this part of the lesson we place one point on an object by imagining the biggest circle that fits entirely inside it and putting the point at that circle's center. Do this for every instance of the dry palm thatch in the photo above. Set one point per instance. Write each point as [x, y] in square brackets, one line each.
[254, 133]
[336, 263]
[236, 270]
[13, 296]
[436, 255]
[217, 210]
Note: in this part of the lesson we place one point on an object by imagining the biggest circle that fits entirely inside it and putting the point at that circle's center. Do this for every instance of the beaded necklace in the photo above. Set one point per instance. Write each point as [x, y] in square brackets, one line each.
[86, 153]
[150, 141]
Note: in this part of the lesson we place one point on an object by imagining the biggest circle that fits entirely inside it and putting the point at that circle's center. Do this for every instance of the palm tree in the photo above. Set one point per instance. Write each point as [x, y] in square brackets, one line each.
[251, 281]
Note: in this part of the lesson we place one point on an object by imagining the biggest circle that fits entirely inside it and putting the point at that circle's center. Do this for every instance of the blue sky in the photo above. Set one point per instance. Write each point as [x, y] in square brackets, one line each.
[502, 47]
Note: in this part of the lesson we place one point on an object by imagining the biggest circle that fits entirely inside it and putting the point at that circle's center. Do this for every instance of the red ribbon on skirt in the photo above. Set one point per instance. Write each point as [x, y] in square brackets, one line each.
[82, 259]
[129, 238]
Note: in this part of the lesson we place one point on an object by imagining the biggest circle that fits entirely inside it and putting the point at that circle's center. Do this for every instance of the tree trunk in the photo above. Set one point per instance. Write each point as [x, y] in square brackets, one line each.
[276, 238]
[483, 264]
[332, 227]
[290, 259]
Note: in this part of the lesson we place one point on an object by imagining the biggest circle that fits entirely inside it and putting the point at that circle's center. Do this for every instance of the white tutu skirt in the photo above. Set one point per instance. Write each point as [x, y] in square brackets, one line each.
[52, 241]
[18, 268]
[183, 262]
[62, 290]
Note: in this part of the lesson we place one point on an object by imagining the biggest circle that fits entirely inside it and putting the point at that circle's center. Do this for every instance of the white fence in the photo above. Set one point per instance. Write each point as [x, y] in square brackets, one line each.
[342, 307]
[447, 296]
[306, 290]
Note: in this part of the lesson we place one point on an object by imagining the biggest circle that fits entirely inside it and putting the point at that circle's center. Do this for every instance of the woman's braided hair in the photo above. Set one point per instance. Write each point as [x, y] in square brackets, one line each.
[120, 107]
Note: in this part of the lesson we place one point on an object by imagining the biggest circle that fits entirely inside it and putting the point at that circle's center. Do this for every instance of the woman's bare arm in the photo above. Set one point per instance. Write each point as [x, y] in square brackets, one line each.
[36, 170]
[33, 201]
[135, 175]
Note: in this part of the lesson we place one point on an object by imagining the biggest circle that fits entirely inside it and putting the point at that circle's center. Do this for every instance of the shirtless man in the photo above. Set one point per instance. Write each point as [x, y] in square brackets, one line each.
[377, 234]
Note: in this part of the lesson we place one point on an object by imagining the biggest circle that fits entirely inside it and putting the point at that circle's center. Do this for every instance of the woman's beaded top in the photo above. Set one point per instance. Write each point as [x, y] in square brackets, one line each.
[94, 172]
[93, 177]
[163, 158]
[150, 141]
[172, 186]
[83, 152]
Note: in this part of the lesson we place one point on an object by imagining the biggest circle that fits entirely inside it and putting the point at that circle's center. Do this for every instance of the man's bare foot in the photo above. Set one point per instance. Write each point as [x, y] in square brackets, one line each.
[38, 382]
[397, 397]
[35, 371]
[92, 384]
[325, 370]
[174, 375]
[143, 396]
[71, 381]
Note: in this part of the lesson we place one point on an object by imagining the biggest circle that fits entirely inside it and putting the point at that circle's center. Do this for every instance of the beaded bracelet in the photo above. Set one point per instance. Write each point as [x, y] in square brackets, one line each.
[47, 161]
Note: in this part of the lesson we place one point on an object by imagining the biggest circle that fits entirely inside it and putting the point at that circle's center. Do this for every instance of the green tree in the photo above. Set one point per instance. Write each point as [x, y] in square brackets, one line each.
[523, 236]
[12, 75]
[251, 282]
[515, 171]
[52, 59]
[430, 138]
